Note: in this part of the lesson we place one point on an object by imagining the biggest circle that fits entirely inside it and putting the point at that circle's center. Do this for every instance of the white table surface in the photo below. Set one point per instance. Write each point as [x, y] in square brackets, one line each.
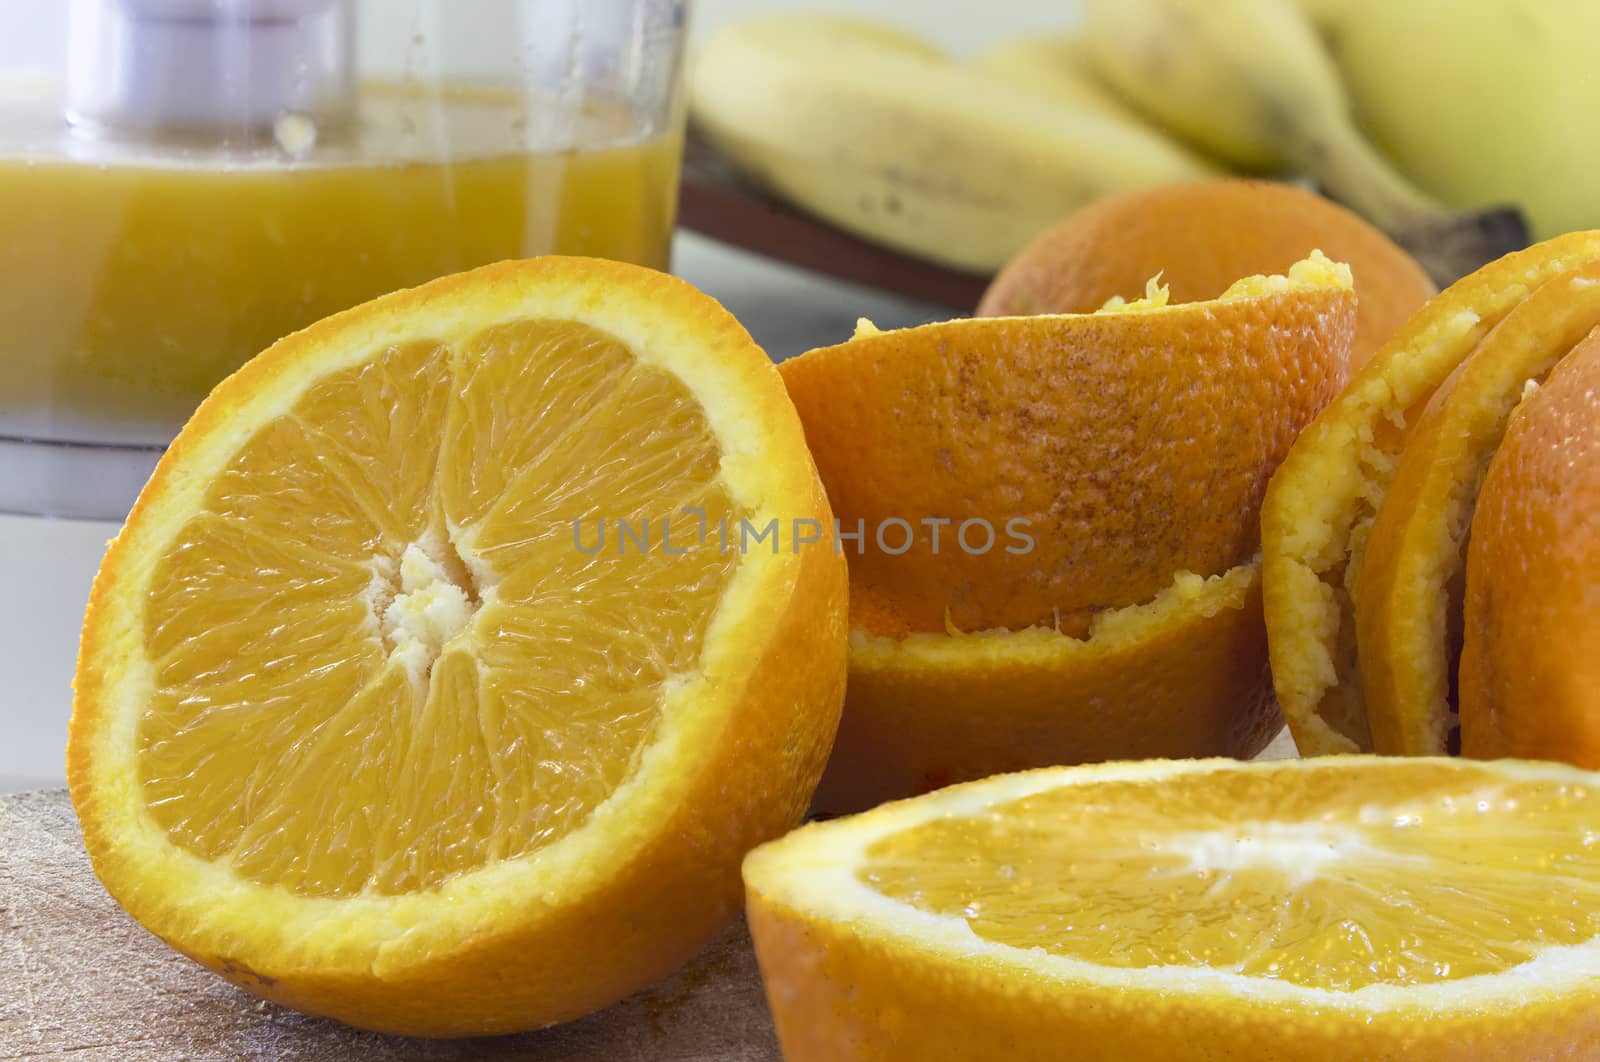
[48, 565]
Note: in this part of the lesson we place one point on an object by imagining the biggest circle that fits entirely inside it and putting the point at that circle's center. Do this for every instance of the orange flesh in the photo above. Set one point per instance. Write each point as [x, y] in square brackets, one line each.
[1346, 891]
[481, 730]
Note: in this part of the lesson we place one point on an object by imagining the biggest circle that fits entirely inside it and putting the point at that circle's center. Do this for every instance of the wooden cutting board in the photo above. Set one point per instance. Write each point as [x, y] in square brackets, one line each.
[80, 980]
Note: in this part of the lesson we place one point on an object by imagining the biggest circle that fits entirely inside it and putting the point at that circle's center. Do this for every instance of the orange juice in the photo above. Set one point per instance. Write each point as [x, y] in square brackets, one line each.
[132, 281]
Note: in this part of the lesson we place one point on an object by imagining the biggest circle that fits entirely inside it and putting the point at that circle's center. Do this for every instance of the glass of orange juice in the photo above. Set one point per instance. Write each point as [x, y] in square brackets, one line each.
[184, 181]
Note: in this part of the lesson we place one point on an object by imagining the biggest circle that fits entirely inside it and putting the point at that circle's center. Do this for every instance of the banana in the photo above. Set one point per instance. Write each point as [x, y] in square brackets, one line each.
[1327, 15]
[1500, 103]
[1053, 65]
[901, 146]
[1250, 81]
[838, 27]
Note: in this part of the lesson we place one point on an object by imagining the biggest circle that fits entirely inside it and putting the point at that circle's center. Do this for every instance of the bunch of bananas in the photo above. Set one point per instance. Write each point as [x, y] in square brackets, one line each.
[961, 163]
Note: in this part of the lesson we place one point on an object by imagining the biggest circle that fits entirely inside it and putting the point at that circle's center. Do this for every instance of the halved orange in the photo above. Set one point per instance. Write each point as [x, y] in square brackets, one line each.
[376, 718]
[1330, 909]
[1408, 601]
[1322, 500]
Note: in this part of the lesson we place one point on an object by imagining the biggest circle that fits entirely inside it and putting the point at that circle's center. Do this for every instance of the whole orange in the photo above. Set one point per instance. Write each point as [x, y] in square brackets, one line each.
[1201, 236]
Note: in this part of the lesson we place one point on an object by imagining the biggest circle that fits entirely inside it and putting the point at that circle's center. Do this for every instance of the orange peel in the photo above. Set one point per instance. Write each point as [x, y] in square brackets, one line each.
[1530, 664]
[1133, 445]
[1408, 600]
[1320, 506]
[1182, 675]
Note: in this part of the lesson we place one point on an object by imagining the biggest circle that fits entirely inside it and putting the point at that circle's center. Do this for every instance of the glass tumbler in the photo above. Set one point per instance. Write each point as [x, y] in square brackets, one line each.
[182, 182]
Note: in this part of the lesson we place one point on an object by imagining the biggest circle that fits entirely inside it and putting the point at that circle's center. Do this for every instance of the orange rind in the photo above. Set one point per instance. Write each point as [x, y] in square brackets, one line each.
[1118, 459]
[1321, 504]
[1530, 666]
[1182, 675]
[1408, 601]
